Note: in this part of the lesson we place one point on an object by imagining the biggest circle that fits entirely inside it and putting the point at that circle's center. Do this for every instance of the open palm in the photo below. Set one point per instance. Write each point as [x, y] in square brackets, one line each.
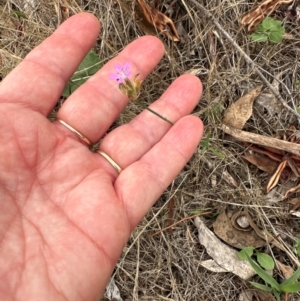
[65, 211]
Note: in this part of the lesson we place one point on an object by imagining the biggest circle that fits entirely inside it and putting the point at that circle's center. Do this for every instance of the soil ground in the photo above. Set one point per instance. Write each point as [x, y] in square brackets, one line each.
[166, 266]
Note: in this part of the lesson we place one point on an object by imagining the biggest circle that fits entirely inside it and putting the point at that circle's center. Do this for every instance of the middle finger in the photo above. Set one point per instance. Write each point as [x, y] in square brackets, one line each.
[94, 106]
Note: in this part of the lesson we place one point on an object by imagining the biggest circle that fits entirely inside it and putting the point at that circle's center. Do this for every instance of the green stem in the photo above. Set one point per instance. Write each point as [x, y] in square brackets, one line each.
[158, 115]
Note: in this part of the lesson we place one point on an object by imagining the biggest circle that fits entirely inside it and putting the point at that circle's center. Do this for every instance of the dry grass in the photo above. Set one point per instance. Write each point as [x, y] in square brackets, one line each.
[167, 266]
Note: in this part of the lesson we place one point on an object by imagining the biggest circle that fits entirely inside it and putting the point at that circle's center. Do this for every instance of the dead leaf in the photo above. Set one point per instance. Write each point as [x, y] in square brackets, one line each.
[212, 44]
[112, 291]
[278, 194]
[286, 270]
[295, 213]
[276, 176]
[194, 71]
[262, 162]
[213, 180]
[288, 165]
[246, 295]
[295, 202]
[294, 12]
[224, 228]
[213, 266]
[240, 111]
[223, 255]
[259, 295]
[255, 16]
[267, 101]
[229, 179]
[271, 152]
[64, 8]
[291, 190]
[159, 21]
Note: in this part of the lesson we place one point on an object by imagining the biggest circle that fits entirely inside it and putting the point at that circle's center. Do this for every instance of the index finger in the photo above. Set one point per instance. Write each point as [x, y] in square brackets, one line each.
[40, 78]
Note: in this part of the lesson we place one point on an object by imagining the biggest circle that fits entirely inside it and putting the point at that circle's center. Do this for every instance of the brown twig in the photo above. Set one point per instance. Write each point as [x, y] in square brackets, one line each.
[246, 57]
[244, 136]
[286, 297]
[160, 116]
[171, 206]
[180, 221]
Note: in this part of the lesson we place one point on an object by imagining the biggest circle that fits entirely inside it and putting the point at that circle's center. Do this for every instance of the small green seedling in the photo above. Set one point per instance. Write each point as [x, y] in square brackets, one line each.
[205, 143]
[194, 212]
[20, 14]
[270, 29]
[297, 242]
[272, 286]
[89, 66]
[265, 260]
[213, 113]
[205, 146]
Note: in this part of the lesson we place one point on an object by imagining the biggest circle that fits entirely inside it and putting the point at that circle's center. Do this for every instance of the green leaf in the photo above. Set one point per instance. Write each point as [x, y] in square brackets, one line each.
[290, 288]
[89, 66]
[214, 113]
[265, 260]
[269, 23]
[269, 29]
[242, 253]
[297, 242]
[260, 28]
[277, 295]
[277, 23]
[194, 212]
[205, 142]
[20, 14]
[292, 279]
[217, 153]
[263, 274]
[277, 36]
[259, 37]
[262, 287]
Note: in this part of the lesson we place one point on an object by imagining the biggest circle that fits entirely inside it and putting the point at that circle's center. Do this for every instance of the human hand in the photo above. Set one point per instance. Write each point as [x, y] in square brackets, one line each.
[65, 212]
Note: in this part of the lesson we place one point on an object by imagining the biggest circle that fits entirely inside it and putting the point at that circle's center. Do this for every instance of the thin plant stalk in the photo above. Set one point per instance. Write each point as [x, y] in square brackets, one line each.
[160, 116]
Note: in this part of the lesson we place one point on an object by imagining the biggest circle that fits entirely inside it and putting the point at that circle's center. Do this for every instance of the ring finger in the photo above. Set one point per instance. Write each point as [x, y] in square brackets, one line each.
[131, 141]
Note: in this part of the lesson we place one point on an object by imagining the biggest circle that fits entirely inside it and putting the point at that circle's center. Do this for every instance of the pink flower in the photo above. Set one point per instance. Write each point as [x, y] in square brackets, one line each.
[130, 87]
[122, 73]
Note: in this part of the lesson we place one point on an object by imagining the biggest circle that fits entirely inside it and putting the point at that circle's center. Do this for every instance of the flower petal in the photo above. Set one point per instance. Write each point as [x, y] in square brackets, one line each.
[126, 67]
[114, 76]
[118, 67]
